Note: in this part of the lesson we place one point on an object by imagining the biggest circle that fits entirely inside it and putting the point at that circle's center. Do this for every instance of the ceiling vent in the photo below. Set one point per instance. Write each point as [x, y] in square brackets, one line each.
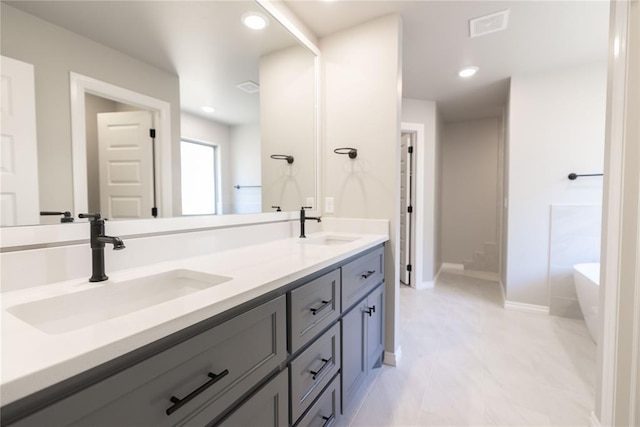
[488, 24]
[249, 86]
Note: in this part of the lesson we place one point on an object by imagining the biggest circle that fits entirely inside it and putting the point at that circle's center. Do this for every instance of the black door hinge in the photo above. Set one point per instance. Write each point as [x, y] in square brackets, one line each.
[410, 209]
[410, 149]
[409, 267]
[154, 212]
[152, 133]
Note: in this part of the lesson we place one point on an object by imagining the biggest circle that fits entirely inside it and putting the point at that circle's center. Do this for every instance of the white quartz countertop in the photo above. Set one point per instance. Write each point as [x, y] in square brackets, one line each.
[33, 360]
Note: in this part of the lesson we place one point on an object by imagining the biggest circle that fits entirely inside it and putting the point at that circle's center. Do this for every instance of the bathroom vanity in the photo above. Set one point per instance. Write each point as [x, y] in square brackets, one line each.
[286, 341]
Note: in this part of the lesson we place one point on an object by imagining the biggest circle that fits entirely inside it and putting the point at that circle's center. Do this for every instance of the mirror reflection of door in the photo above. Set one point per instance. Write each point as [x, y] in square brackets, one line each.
[125, 156]
[119, 159]
[19, 157]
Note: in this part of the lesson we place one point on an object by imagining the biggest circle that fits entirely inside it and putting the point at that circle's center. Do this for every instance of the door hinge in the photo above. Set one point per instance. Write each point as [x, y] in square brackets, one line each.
[410, 209]
[154, 212]
[410, 149]
[152, 133]
[409, 267]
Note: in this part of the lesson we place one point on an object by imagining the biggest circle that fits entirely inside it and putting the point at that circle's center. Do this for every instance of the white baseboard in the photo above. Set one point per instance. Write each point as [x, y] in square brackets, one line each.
[451, 266]
[426, 285]
[593, 420]
[527, 308]
[392, 359]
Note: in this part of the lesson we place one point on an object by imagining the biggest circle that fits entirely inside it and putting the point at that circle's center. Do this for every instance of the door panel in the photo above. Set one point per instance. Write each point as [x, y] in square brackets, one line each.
[19, 155]
[126, 164]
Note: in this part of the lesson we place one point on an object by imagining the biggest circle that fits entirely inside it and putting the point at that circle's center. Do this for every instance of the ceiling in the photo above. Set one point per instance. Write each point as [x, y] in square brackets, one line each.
[205, 44]
[540, 36]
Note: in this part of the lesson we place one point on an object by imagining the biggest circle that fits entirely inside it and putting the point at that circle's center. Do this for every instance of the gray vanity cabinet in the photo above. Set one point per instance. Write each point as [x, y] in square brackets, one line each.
[375, 326]
[297, 359]
[313, 369]
[363, 335]
[313, 307]
[208, 372]
[268, 407]
[326, 410]
[360, 276]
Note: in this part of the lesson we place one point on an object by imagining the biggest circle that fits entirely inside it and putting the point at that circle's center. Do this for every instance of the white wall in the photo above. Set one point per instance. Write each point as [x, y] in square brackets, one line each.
[287, 96]
[246, 168]
[470, 153]
[55, 52]
[361, 109]
[200, 129]
[424, 112]
[556, 126]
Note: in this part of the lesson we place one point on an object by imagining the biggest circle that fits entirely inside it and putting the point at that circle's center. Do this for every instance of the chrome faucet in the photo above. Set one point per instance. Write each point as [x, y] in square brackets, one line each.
[304, 217]
[98, 241]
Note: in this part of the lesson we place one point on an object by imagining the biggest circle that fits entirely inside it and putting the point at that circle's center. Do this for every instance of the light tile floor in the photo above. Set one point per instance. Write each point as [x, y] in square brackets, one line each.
[468, 361]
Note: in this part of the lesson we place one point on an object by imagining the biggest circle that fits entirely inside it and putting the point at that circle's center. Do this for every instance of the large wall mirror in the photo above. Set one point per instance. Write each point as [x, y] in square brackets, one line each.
[105, 73]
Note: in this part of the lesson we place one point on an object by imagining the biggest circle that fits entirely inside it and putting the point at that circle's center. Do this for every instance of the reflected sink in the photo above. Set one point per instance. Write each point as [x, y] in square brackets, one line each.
[329, 240]
[65, 313]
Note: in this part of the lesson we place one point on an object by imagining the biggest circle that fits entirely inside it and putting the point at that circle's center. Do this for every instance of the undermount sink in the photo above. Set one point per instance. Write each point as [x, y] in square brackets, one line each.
[65, 313]
[330, 240]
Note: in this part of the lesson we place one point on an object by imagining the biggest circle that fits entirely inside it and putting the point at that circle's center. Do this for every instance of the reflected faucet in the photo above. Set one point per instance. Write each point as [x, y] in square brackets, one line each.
[98, 241]
[304, 217]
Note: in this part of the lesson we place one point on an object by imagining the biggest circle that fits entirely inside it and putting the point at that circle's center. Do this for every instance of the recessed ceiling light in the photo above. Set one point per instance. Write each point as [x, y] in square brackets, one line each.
[208, 109]
[254, 20]
[468, 71]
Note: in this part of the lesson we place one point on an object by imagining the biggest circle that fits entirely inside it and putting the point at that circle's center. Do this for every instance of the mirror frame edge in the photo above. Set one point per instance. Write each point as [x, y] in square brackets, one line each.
[66, 234]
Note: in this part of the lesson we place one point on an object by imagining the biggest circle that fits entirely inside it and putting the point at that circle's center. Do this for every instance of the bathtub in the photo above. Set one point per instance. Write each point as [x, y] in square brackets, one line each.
[587, 280]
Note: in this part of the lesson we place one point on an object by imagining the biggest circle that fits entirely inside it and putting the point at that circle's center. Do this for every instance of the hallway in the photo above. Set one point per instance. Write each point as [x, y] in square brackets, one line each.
[467, 361]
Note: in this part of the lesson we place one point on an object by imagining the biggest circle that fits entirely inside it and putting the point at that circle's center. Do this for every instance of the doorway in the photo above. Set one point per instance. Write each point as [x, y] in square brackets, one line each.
[161, 111]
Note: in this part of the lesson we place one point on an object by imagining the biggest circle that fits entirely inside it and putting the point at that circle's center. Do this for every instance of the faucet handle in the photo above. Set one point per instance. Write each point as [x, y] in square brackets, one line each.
[306, 207]
[91, 216]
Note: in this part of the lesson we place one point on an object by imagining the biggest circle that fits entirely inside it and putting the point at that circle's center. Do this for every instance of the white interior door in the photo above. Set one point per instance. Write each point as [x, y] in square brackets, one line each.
[19, 156]
[126, 164]
[406, 204]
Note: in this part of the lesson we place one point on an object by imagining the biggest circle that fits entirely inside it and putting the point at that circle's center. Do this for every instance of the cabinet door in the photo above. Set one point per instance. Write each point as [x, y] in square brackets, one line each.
[375, 326]
[354, 354]
[266, 408]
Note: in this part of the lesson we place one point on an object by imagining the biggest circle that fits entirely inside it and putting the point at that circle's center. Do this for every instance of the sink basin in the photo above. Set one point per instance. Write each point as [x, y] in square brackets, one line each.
[329, 240]
[65, 313]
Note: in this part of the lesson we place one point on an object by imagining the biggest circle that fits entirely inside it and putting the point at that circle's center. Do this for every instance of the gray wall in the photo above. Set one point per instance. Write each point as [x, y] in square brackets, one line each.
[362, 110]
[470, 152]
[55, 52]
[287, 97]
[556, 126]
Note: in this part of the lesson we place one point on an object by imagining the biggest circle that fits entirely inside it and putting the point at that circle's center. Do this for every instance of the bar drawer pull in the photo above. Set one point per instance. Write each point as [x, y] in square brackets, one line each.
[367, 274]
[328, 420]
[327, 363]
[370, 310]
[324, 305]
[178, 403]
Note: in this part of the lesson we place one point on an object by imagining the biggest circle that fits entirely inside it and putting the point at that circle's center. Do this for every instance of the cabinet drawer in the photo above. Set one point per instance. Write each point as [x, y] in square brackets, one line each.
[326, 410]
[360, 276]
[266, 408]
[240, 352]
[313, 307]
[312, 370]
